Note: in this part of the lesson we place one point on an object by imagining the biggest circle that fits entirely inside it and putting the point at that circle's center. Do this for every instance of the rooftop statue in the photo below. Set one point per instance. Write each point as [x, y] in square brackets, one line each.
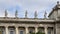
[35, 14]
[57, 2]
[45, 14]
[16, 14]
[6, 13]
[26, 14]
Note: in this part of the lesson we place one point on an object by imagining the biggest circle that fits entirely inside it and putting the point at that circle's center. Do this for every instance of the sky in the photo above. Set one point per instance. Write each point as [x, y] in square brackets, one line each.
[30, 5]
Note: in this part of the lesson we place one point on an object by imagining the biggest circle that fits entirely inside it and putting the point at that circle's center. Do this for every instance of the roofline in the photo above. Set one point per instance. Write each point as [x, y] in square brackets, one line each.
[26, 20]
[55, 8]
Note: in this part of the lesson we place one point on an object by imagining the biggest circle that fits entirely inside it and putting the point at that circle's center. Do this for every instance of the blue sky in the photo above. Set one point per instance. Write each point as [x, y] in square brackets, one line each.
[30, 5]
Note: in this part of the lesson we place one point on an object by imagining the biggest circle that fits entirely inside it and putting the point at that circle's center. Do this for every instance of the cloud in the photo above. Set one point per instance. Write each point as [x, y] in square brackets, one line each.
[30, 5]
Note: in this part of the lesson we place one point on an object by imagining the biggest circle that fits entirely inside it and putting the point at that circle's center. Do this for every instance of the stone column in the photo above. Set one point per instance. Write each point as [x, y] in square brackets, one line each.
[26, 30]
[46, 32]
[16, 30]
[6, 28]
[36, 29]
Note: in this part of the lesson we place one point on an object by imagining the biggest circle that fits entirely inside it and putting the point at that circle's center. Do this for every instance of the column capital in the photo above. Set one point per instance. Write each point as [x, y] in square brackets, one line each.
[45, 26]
[16, 26]
[26, 26]
[36, 26]
[6, 26]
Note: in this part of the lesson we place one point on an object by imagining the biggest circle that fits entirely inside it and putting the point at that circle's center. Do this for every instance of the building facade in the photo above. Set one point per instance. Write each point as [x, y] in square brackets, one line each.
[27, 25]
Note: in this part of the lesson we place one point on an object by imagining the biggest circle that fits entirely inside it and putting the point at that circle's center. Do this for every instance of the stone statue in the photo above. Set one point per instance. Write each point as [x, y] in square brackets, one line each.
[16, 13]
[45, 14]
[57, 2]
[6, 13]
[26, 14]
[35, 14]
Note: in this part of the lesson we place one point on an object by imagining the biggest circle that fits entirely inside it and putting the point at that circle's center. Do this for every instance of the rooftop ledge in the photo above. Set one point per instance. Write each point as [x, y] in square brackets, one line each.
[26, 19]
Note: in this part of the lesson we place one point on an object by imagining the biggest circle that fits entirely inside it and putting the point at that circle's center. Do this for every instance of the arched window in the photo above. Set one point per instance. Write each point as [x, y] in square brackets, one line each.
[49, 31]
[12, 31]
[31, 31]
[41, 29]
[21, 32]
[2, 31]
